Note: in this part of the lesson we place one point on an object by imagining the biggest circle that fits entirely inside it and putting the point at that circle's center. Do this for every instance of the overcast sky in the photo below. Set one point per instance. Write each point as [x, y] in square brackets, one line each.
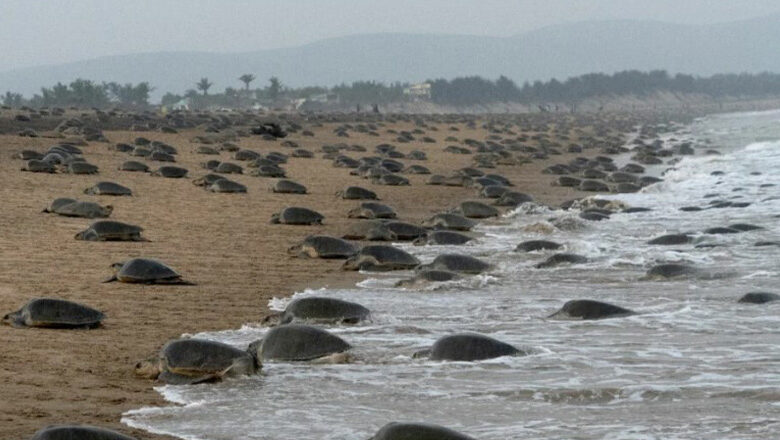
[35, 32]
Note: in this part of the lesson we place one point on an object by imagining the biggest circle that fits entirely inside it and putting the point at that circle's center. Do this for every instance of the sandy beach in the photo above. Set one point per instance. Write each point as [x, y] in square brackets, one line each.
[222, 242]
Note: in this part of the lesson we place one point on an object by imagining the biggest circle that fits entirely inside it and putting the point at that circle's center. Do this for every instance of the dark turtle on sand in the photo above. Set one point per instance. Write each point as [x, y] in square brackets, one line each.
[109, 230]
[145, 271]
[371, 210]
[207, 180]
[563, 258]
[321, 310]
[323, 246]
[670, 270]
[406, 231]
[288, 187]
[588, 309]
[132, 165]
[449, 221]
[493, 191]
[357, 193]
[513, 198]
[39, 166]
[593, 186]
[268, 171]
[537, 245]
[191, 361]
[54, 313]
[381, 258]
[170, 172]
[457, 263]
[226, 186]
[467, 347]
[78, 432]
[79, 209]
[417, 431]
[297, 216]
[108, 189]
[81, 168]
[228, 168]
[391, 180]
[472, 209]
[443, 238]
[297, 342]
[425, 277]
[28, 155]
[371, 230]
[671, 239]
[759, 297]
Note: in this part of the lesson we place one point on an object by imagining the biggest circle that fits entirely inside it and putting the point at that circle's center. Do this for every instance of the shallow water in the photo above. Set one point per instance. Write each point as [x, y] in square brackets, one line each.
[693, 364]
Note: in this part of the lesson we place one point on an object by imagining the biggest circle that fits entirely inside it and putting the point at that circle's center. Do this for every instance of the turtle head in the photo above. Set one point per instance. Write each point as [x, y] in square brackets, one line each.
[272, 319]
[12, 319]
[275, 219]
[254, 351]
[108, 209]
[148, 368]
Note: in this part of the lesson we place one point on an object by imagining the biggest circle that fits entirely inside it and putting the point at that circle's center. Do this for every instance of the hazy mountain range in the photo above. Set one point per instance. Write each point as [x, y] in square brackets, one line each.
[557, 51]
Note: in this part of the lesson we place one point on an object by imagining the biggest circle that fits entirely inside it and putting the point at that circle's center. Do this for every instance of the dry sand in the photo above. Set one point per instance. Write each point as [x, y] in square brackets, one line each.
[222, 242]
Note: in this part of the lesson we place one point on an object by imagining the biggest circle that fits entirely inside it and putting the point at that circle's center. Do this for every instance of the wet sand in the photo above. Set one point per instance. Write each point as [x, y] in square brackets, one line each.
[222, 242]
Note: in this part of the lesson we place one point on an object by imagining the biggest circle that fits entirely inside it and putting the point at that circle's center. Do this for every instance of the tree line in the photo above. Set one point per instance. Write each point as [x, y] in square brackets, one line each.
[467, 90]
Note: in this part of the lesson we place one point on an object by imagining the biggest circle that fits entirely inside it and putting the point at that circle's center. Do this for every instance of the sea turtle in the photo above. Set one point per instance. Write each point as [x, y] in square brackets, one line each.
[589, 309]
[39, 166]
[371, 210]
[467, 347]
[54, 313]
[28, 155]
[81, 168]
[405, 231]
[285, 186]
[443, 238]
[191, 361]
[593, 186]
[160, 156]
[357, 193]
[298, 342]
[670, 270]
[300, 152]
[457, 263]
[471, 209]
[109, 230]
[132, 165]
[416, 169]
[537, 245]
[493, 191]
[207, 180]
[391, 180]
[268, 171]
[205, 149]
[170, 172]
[226, 186]
[323, 246]
[558, 259]
[381, 258]
[320, 310]
[513, 198]
[428, 276]
[244, 155]
[417, 431]
[672, 239]
[759, 297]
[78, 432]
[449, 221]
[145, 271]
[297, 216]
[75, 208]
[210, 165]
[371, 230]
[228, 168]
[108, 189]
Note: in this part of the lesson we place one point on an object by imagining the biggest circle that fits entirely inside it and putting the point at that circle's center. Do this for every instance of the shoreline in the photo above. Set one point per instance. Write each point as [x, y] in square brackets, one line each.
[222, 242]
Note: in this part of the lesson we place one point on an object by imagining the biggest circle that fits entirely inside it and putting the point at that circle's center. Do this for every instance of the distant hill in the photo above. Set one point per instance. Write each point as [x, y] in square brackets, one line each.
[557, 51]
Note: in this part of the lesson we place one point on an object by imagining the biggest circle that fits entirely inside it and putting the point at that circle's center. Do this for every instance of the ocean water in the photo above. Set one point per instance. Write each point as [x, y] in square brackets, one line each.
[694, 363]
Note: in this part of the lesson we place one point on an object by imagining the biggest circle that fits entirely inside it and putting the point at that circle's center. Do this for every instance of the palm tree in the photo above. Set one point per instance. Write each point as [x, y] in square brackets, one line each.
[204, 84]
[246, 79]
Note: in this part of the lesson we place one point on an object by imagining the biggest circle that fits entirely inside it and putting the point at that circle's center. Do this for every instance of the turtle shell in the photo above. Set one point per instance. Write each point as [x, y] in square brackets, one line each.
[143, 270]
[55, 313]
[199, 357]
[294, 342]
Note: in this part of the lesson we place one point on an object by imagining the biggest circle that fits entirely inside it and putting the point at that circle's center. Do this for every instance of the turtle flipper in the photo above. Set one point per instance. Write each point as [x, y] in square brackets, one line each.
[110, 279]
